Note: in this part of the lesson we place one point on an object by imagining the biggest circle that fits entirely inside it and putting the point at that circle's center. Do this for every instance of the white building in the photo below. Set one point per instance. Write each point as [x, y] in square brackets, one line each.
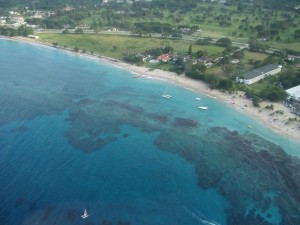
[18, 19]
[2, 22]
[33, 36]
[259, 73]
[294, 92]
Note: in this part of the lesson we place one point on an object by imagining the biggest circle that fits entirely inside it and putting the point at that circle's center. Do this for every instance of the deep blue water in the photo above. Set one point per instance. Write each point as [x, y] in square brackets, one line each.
[77, 133]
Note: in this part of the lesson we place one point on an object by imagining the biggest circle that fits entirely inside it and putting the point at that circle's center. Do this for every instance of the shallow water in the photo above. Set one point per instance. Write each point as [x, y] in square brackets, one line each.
[77, 133]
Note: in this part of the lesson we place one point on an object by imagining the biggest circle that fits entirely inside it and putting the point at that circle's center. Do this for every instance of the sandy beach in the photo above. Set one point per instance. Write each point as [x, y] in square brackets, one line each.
[276, 119]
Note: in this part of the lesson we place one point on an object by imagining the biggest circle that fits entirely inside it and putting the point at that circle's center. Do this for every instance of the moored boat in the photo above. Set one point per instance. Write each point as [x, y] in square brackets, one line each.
[85, 214]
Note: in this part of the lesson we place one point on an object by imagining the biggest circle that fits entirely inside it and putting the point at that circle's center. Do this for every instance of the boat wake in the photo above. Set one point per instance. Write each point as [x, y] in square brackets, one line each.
[197, 215]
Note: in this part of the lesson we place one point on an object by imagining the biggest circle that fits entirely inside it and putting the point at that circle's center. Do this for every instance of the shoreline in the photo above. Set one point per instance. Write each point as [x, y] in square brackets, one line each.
[275, 121]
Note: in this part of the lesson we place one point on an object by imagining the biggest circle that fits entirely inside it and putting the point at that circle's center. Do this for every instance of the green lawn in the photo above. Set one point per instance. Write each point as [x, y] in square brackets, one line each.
[116, 46]
[253, 56]
[283, 46]
[263, 84]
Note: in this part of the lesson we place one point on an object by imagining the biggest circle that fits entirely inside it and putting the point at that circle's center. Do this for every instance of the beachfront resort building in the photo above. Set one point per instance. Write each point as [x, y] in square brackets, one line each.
[294, 93]
[259, 73]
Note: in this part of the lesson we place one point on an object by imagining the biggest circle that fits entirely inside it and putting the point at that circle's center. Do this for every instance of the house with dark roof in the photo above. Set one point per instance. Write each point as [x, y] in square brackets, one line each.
[259, 73]
[203, 59]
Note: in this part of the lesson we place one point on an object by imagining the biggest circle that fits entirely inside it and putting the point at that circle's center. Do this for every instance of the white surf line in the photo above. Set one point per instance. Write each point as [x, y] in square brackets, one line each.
[200, 217]
[210, 96]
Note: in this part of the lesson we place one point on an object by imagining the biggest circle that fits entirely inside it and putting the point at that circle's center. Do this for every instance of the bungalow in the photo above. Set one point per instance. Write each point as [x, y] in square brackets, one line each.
[294, 93]
[259, 73]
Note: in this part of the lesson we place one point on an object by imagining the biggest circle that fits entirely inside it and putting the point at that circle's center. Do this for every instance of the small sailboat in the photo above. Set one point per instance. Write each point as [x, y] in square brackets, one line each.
[198, 99]
[85, 214]
[166, 95]
[203, 107]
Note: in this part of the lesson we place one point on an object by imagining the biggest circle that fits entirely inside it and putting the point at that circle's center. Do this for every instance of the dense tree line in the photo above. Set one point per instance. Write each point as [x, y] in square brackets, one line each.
[265, 4]
[271, 93]
[153, 27]
[173, 5]
[183, 6]
[289, 78]
[21, 31]
[46, 4]
[213, 80]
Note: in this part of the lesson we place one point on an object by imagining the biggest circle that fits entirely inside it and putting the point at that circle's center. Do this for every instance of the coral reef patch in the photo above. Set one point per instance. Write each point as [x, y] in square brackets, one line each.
[244, 168]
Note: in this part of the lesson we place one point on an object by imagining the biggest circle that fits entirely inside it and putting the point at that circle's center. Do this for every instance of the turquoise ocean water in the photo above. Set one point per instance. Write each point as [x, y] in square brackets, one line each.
[78, 133]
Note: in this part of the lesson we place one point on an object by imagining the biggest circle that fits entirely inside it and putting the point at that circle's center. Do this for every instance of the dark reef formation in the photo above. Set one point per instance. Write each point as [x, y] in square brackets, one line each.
[96, 124]
[243, 168]
[185, 123]
[19, 129]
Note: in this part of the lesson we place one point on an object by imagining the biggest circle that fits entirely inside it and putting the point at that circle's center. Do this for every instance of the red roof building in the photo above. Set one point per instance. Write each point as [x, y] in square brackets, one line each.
[164, 58]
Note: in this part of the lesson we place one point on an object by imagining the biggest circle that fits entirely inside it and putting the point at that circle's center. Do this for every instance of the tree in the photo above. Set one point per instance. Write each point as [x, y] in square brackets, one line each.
[66, 31]
[176, 34]
[270, 60]
[213, 80]
[97, 30]
[190, 50]
[273, 94]
[227, 69]
[204, 41]
[239, 54]
[25, 31]
[255, 101]
[227, 51]
[225, 84]
[200, 53]
[290, 78]
[297, 34]
[199, 67]
[255, 45]
[224, 42]
[259, 28]
[167, 49]
[78, 31]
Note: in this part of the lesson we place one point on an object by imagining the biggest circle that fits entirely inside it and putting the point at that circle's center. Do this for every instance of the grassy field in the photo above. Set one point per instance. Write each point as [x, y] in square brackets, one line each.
[117, 46]
[253, 56]
[283, 46]
[263, 84]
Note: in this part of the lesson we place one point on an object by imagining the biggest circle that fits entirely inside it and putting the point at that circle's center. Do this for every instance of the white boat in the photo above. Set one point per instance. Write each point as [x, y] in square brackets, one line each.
[203, 107]
[198, 99]
[85, 214]
[165, 95]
